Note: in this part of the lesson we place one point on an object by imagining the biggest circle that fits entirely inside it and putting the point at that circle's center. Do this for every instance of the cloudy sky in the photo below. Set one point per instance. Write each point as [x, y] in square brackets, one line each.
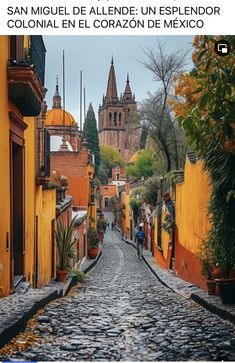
[92, 55]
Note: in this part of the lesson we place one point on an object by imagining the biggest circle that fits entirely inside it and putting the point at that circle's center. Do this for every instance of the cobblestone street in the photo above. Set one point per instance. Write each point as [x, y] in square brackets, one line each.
[123, 313]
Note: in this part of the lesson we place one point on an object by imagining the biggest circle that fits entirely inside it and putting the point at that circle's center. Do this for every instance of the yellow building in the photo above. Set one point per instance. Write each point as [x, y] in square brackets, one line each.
[125, 202]
[192, 224]
[27, 207]
[192, 220]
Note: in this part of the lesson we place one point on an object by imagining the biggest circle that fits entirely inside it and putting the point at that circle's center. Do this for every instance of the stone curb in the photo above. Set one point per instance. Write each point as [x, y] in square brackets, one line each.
[19, 325]
[221, 311]
[93, 263]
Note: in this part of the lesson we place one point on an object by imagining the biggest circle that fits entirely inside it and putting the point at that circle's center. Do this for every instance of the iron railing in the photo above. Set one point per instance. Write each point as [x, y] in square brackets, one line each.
[37, 55]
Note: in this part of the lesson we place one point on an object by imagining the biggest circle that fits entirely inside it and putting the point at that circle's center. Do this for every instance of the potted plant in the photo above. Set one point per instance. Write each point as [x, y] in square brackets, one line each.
[93, 242]
[65, 242]
[63, 181]
[208, 264]
[221, 239]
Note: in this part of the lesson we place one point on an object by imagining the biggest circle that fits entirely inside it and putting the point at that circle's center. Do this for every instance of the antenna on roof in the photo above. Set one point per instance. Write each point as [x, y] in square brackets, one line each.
[84, 99]
[63, 73]
[80, 100]
[64, 145]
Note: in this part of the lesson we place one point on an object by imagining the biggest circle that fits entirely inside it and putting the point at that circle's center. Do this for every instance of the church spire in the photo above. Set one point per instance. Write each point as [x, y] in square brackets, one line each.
[57, 97]
[127, 91]
[127, 95]
[111, 94]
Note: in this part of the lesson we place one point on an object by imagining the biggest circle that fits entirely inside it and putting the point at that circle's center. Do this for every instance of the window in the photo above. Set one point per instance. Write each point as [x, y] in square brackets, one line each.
[110, 118]
[16, 48]
[120, 118]
[117, 176]
[115, 119]
[106, 202]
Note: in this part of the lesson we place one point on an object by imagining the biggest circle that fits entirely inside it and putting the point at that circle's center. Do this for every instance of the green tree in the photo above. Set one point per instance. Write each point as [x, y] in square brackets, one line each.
[155, 112]
[143, 138]
[90, 133]
[152, 185]
[206, 109]
[110, 157]
[143, 167]
[136, 202]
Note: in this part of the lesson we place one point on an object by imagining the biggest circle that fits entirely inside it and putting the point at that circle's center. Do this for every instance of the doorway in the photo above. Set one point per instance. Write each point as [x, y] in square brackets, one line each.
[17, 213]
[106, 202]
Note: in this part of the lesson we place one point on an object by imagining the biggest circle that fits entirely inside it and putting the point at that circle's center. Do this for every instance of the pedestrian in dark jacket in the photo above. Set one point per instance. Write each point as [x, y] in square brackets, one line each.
[139, 239]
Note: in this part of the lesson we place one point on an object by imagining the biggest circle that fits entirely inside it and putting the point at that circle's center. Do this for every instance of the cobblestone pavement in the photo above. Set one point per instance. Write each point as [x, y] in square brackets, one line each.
[123, 313]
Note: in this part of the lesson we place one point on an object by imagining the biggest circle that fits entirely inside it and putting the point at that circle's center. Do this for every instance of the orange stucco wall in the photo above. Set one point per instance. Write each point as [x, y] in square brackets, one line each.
[74, 166]
[107, 191]
[192, 222]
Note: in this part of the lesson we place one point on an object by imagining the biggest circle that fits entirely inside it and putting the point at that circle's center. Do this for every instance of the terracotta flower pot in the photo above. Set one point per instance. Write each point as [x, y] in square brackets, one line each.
[61, 275]
[211, 286]
[93, 252]
[216, 272]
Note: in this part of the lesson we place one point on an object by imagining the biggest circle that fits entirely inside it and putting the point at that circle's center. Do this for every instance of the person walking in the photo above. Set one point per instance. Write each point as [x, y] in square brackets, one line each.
[139, 239]
[112, 225]
[171, 209]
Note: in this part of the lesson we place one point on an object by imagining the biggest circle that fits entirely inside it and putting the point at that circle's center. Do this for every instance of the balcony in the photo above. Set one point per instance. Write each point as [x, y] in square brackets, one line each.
[43, 156]
[26, 75]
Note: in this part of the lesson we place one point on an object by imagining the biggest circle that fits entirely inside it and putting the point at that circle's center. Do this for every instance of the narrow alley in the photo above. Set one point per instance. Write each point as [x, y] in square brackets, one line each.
[123, 313]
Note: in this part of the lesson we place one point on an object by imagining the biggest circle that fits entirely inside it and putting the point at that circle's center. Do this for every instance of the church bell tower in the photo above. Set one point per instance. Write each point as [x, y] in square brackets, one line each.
[116, 118]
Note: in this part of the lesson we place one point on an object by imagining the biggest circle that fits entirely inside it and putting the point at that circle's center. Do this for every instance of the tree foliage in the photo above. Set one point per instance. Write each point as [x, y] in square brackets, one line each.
[152, 185]
[168, 140]
[136, 202]
[205, 108]
[143, 167]
[110, 157]
[90, 133]
[143, 138]
[155, 112]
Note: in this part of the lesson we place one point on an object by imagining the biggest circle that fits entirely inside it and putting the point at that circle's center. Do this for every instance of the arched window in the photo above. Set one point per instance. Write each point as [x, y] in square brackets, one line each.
[115, 118]
[110, 118]
[120, 118]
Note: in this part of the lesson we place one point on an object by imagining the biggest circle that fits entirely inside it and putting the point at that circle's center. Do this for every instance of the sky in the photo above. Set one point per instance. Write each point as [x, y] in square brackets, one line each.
[92, 55]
